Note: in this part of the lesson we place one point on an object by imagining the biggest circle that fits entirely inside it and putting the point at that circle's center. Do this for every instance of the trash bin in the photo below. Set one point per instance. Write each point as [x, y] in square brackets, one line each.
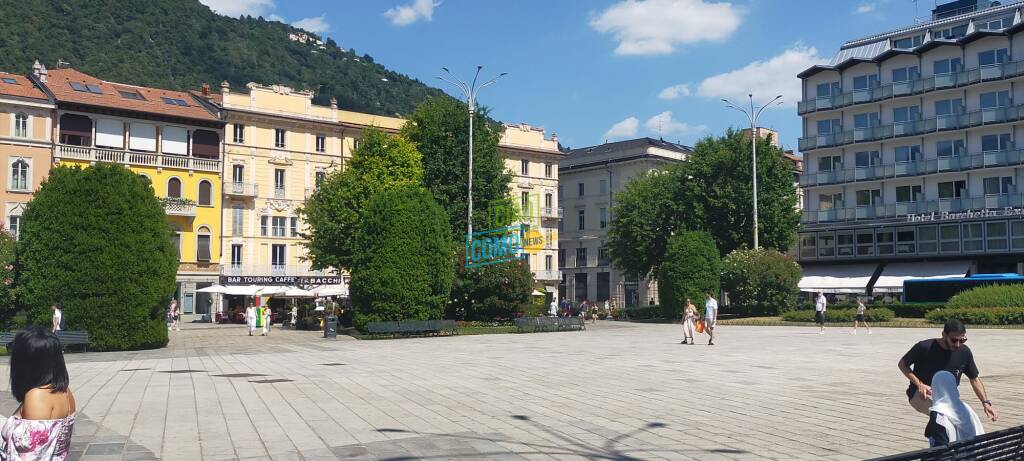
[331, 327]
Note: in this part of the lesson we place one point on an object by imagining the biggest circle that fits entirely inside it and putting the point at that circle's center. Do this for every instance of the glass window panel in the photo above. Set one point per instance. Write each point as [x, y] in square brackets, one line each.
[926, 239]
[950, 238]
[844, 243]
[865, 243]
[826, 244]
[995, 236]
[906, 240]
[884, 241]
[1017, 235]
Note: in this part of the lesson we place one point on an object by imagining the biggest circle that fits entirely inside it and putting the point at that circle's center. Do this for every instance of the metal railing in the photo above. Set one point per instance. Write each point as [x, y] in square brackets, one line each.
[894, 210]
[175, 207]
[547, 275]
[244, 189]
[990, 159]
[551, 212]
[271, 269]
[279, 192]
[95, 154]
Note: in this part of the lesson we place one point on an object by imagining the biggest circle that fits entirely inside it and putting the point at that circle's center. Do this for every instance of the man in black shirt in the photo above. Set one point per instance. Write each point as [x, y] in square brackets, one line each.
[948, 353]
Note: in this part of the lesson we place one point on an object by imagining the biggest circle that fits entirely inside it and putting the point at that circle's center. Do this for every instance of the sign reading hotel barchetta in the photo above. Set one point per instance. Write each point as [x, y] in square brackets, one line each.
[290, 280]
[947, 215]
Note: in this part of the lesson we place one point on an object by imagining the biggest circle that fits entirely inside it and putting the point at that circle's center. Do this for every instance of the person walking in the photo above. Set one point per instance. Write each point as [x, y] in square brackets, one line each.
[947, 353]
[820, 307]
[295, 315]
[42, 425]
[175, 315]
[250, 318]
[553, 308]
[950, 419]
[58, 318]
[860, 317]
[265, 312]
[710, 317]
[689, 318]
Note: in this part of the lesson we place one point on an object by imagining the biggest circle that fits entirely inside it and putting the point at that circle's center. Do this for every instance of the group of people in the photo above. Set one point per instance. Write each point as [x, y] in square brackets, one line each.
[821, 308]
[253, 320]
[690, 319]
[586, 309]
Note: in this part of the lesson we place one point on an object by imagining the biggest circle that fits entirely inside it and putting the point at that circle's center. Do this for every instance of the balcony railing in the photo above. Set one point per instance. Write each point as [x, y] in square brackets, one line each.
[912, 87]
[179, 207]
[123, 157]
[916, 127]
[241, 189]
[279, 192]
[551, 212]
[547, 275]
[271, 269]
[895, 210]
[999, 158]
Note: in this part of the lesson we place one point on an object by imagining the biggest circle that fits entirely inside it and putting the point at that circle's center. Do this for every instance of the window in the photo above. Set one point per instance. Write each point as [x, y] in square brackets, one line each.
[548, 201]
[927, 240]
[603, 212]
[176, 242]
[951, 33]
[908, 42]
[293, 224]
[865, 82]
[318, 178]
[995, 236]
[581, 215]
[277, 226]
[560, 193]
[949, 238]
[237, 220]
[203, 244]
[524, 167]
[86, 88]
[946, 66]
[581, 257]
[953, 148]
[9, 81]
[884, 242]
[948, 107]
[904, 74]
[279, 138]
[580, 187]
[174, 101]
[321, 143]
[561, 257]
[844, 243]
[972, 236]
[547, 170]
[952, 190]
[827, 90]
[205, 193]
[904, 114]
[865, 242]
[830, 163]
[998, 185]
[237, 174]
[995, 142]
[830, 201]
[995, 99]
[263, 225]
[279, 183]
[866, 120]
[174, 188]
[277, 257]
[906, 240]
[869, 197]
[524, 200]
[994, 24]
[807, 246]
[126, 94]
[603, 187]
[239, 131]
[547, 262]
[826, 244]
[907, 154]
[21, 125]
[868, 159]
[829, 126]
[602, 256]
[236, 256]
[1017, 235]
[992, 57]
[20, 175]
[14, 226]
[907, 194]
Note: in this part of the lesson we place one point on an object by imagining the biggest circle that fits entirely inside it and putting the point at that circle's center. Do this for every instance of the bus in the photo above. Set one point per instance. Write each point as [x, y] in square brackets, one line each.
[940, 290]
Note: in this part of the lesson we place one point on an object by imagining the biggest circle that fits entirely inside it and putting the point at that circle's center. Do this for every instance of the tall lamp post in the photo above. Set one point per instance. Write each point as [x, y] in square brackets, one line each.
[752, 117]
[469, 91]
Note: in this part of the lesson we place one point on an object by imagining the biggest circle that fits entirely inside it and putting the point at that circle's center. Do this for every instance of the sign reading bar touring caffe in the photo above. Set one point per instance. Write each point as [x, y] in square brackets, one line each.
[973, 214]
[287, 280]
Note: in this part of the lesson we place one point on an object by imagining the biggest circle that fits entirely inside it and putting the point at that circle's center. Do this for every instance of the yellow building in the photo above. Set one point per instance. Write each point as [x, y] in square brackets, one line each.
[25, 146]
[279, 146]
[170, 137]
[532, 160]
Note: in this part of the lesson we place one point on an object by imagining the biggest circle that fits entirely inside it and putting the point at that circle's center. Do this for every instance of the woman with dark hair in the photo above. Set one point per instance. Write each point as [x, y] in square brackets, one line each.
[41, 427]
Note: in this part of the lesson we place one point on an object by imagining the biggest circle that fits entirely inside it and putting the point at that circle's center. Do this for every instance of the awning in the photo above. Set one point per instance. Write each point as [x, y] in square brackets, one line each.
[837, 278]
[894, 274]
[253, 290]
[331, 290]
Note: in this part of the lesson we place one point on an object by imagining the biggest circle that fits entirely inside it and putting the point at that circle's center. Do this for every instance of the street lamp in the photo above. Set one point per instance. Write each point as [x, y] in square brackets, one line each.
[469, 91]
[752, 116]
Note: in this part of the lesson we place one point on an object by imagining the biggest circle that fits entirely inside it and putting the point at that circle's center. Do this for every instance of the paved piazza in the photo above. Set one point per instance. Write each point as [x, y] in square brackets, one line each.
[615, 392]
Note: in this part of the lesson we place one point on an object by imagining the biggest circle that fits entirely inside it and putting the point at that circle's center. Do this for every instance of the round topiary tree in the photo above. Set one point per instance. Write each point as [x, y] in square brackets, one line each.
[496, 291]
[691, 268]
[96, 240]
[402, 263]
[761, 282]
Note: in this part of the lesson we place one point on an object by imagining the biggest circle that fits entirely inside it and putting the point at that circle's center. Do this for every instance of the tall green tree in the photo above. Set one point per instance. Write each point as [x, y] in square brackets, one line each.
[8, 277]
[402, 266]
[691, 268]
[440, 129]
[333, 213]
[97, 241]
[763, 282]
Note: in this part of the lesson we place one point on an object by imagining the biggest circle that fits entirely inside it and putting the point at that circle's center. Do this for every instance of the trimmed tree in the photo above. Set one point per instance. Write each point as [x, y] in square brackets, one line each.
[496, 291]
[402, 261]
[96, 240]
[8, 277]
[690, 269]
[761, 282]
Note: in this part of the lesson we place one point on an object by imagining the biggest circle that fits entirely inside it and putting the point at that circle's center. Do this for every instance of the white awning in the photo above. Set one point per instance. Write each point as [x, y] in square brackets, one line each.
[894, 274]
[837, 278]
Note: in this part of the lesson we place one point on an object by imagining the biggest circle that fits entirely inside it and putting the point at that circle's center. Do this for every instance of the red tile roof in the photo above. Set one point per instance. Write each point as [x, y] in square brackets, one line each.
[59, 83]
[24, 87]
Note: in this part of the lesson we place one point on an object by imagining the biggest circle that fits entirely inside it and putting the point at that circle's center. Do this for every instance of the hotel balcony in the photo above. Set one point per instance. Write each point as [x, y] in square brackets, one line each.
[132, 158]
[895, 210]
[915, 127]
[179, 207]
[241, 189]
[914, 87]
[990, 159]
[547, 275]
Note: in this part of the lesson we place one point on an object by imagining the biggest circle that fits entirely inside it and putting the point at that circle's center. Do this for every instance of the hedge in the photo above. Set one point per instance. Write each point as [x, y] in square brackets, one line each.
[989, 296]
[761, 281]
[840, 315]
[980, 315]
[652, 312]
[911, 310]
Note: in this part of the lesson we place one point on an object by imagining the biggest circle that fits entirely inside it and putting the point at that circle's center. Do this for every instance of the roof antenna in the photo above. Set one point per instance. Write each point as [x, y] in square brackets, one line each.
[61, 63]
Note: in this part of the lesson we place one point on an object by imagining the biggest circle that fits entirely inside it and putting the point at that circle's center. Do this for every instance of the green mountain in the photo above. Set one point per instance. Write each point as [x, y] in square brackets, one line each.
[181, 44]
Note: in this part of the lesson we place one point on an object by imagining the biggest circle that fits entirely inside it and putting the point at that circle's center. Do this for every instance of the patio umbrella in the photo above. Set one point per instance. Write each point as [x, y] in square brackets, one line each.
[537, 293]
[296, 292]
[331, 290]
[213, 289]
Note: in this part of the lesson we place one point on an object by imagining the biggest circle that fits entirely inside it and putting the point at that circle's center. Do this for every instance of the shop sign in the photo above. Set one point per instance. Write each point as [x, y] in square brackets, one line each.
[956, 215]
[285, 280]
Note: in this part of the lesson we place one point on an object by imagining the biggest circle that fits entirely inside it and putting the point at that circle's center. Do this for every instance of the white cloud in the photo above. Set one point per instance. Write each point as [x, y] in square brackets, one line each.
[764, 79]
[866, 7]
[663, 124]
[317, 25]
[674, 92]
[274, 17]
[407, 14]
[625, 129]
[236, 8]
[649, 27]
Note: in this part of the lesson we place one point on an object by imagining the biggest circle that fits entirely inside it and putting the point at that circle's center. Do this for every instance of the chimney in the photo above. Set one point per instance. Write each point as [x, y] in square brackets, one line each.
[334, 103]
[225, 88]
[39, 71]
[206, 90]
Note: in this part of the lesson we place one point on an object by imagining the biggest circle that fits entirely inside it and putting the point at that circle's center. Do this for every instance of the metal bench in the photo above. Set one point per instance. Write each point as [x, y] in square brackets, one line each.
[412, 327]
[534, 324]
[1007, 444]
[67, 338]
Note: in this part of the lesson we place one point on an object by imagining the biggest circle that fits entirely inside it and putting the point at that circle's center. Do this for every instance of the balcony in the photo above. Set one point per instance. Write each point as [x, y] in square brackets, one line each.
[309, 191]
[922, 85]
[271, 269]
[547, 275]
[123, 157]
[990, 159]
[551, 212]
[912, 128]
[179, 207]
[895, 210]
[279, 192]
[241, 189]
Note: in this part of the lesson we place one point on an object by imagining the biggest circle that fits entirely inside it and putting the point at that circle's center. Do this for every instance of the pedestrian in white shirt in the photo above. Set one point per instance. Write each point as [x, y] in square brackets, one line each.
[860, 317]
[250, 318]
[820, 307]
[710, 317]
[58, 318]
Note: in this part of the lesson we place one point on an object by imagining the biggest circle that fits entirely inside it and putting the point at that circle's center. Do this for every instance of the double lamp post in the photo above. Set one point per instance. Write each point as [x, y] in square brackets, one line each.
[752, 117]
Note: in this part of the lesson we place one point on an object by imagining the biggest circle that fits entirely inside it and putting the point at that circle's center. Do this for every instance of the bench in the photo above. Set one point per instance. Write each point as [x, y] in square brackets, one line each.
[535, 324]
[412, 327]
[1007, 444]
[67, 338]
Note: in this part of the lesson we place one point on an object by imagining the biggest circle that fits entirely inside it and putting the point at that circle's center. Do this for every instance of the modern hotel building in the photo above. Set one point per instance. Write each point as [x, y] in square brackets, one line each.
[911, 163]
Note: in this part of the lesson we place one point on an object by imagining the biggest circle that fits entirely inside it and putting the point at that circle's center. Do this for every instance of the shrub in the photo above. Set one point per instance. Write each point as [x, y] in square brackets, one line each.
[979, 315]
[8, 288]
[650, 312]
[690, 269]
[914, 310]
[840, 315]
[496, 291]
[989, 296]
[97, 241]
[402, 266]
[762, 281]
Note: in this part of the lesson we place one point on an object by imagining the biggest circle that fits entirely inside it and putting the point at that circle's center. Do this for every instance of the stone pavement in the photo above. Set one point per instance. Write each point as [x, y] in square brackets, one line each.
[617, 391]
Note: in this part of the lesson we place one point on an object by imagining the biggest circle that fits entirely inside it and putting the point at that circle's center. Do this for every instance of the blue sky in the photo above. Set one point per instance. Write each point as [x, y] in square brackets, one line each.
[609, 69]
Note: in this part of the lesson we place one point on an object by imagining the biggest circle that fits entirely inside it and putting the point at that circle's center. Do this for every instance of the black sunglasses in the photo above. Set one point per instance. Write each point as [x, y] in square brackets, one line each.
[958, 340]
